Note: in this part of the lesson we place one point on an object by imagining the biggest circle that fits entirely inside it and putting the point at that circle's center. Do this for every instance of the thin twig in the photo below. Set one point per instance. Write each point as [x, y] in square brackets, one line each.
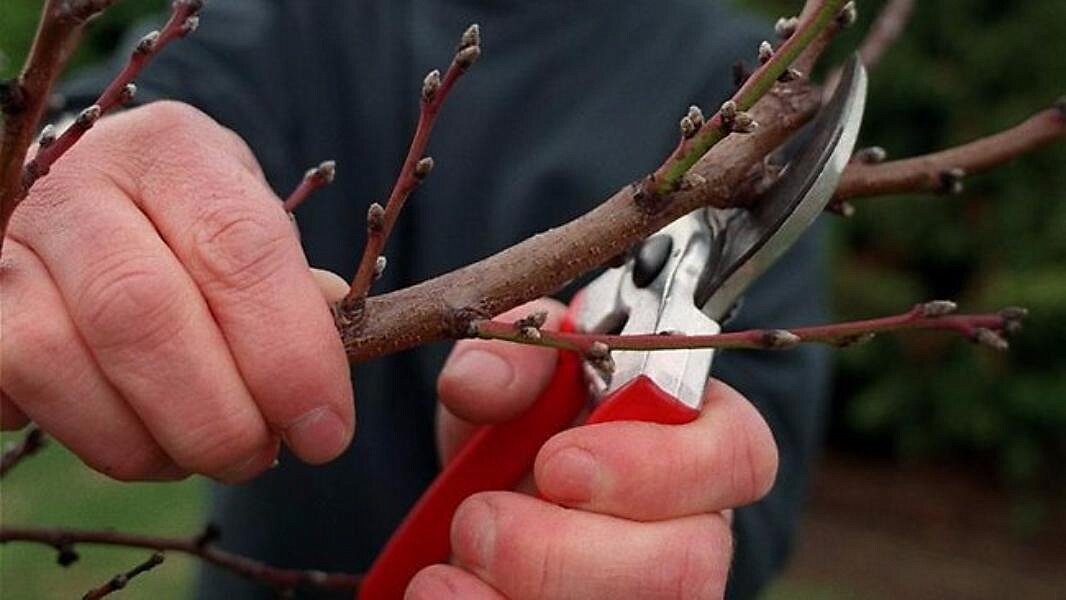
[885, 30]
[183, 21]
[30, 444]
[987, 329]
[121, 580]
[199, 546]
[416, 166]
[315, 178]
[941, 171]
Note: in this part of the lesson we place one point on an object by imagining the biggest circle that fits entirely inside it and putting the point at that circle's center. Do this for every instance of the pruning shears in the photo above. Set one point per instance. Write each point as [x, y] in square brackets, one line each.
[684, 279]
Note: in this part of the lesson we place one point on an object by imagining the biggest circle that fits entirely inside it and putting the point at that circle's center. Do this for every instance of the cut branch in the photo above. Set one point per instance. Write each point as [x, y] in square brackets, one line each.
[29, 445]
[121, 580]
[986, 329]
[63, 540]
[416, 166]
[936, 172]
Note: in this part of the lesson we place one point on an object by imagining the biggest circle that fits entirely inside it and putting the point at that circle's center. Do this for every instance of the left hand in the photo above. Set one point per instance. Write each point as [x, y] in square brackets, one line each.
[638, 510]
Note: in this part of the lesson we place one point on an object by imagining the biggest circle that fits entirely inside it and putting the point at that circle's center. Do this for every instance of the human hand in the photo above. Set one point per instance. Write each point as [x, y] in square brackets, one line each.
[159, 316]
[636, 510]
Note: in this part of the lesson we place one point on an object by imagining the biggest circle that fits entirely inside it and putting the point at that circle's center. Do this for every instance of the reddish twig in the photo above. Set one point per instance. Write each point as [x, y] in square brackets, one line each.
[183, 20]
[885, 30]
[416, 166]
[30, 444]
[315, 178]
[698, 135]
[942, 171]
[986, 329]
[121, 580]
[63, 541]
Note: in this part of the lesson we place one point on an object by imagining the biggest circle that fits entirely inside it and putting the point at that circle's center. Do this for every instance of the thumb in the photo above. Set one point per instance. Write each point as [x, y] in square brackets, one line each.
[333, 286]
[487, 381]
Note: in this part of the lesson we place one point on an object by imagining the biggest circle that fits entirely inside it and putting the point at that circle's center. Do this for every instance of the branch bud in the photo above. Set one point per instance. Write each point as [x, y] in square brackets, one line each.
[779, 339]
[375, 218]
[536, 320]
[951, 180]
[599, 356]
[744, 123]
[847, 15]
[766, 52]
[1012, 319]
[688, 128]
[430, 85]
[467, 56]
[88, 117]
[855, 340]
[531, 334]
[423, 167]
[841, 208]
[379, 267]
[786, 26]
[147, 43]
[871, 155]
[190, 25]
[728, 110]
[990, 339]
[696, 116]
[128, 93]
[937, 308]
[470, 37]
[48, 136]
[325, 171]
[790, 74]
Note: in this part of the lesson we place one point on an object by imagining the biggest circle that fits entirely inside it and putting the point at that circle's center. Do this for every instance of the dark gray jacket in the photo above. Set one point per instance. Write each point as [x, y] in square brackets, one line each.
[570, 101]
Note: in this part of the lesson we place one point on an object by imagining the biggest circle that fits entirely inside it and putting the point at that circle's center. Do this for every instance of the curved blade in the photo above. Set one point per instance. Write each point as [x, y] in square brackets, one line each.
[751, 240]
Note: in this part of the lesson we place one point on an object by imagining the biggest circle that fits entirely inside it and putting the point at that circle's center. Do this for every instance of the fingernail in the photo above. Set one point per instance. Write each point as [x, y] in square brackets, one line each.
[474, 530]
[570, 475]
[484, 370]
[318, 436]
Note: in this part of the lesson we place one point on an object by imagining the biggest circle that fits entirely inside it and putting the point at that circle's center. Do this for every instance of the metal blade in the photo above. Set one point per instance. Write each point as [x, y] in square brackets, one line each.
[749, 241]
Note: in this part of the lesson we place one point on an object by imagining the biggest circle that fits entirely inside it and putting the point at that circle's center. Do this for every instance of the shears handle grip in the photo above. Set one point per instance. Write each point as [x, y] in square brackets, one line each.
[497, 457]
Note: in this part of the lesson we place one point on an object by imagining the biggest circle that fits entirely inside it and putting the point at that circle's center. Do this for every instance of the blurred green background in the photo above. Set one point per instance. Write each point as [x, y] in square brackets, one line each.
[903, 404]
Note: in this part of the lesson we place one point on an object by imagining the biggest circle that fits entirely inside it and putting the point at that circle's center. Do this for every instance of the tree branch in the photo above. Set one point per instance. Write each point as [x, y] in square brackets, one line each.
[29, 445]
[200, 546]
[885, 30]
[939, 172]
[986, 329]
[121, 580]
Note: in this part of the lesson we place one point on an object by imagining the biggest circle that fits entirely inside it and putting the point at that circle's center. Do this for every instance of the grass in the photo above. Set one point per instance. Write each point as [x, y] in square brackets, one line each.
[53, 489]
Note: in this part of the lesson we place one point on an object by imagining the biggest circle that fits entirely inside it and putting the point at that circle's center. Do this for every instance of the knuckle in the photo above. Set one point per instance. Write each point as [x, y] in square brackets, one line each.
[129, 301]
[169, 115]
[219, 444]
[240, 248]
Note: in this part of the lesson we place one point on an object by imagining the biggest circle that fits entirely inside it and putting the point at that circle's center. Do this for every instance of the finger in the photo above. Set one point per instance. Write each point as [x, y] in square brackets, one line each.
[724, 459]
[440, 582]
[50, 374]
[11, 418]
[489, 381]
[333, 287]
[231, 234]
[528, 548]
[141, 316]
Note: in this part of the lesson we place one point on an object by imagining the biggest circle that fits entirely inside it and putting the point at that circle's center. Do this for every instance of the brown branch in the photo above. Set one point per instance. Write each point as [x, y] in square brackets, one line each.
[940, 171]
[416, 166]
[986, 329]
[199, 546]
[314, 179]
[121, 580]
[885, 30]
[29, 445]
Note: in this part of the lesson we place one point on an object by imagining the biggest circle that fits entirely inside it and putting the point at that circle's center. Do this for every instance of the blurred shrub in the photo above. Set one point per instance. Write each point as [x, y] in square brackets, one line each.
[964, 69]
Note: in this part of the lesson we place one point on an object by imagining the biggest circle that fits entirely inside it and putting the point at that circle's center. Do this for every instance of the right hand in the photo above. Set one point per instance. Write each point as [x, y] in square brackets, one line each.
[159, 316]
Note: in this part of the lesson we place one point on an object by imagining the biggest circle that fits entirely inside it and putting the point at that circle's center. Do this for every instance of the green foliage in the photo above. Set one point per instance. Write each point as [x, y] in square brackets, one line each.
[964, 69]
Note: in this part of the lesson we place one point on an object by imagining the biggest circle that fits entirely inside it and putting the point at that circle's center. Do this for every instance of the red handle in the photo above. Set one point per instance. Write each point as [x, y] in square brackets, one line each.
[495, 458]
